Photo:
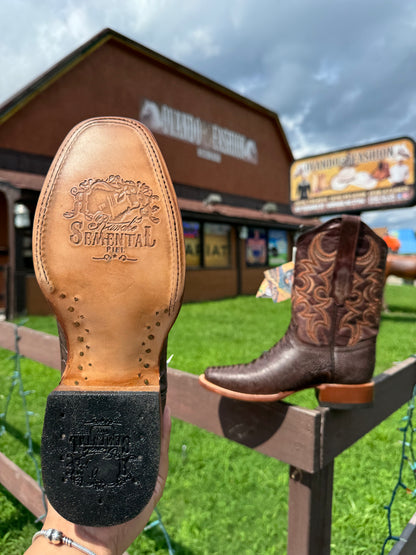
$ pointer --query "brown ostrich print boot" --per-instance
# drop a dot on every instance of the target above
(109, 258)
(331, 340)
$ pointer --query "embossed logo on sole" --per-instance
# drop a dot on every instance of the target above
(100, 456)
(115, 215)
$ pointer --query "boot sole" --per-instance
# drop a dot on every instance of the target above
(251, 397)
(109, 258)
(336, 396)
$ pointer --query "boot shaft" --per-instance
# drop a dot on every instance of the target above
(338, 283)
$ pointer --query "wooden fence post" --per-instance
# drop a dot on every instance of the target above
(310, 511)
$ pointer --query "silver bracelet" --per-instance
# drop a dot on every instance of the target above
(56, 537)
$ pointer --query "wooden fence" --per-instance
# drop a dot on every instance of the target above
(307, 440)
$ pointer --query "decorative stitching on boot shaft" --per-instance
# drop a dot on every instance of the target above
(318, 320)
(311, 300)
(362, 317)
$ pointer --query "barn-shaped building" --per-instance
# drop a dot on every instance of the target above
(228, 158)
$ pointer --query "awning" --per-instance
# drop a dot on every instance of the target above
(238, 214)
(22, 180)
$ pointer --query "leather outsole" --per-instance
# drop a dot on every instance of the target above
(109, 258)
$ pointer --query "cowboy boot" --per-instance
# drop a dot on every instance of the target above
(331, 339)
(110, 259)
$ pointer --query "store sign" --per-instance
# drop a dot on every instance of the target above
(216, 245)
(192, 236)
(277, 247)
(211, 140)
(256, 247)
(381, 175)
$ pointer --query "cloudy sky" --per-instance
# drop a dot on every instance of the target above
(339, 73)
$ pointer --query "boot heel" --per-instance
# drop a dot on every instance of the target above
(100, 454)
(343, 396)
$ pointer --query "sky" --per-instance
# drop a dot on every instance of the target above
(339, 73)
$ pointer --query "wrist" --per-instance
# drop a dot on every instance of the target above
(70, 539)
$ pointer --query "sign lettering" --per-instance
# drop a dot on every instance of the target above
(211, 139)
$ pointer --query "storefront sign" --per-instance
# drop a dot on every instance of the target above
(277, 247)
(381, 175)
(256, 247)
(192, 235)
(216, 239)
(212, 140)
(216, 245)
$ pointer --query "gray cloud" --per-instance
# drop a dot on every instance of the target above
(338, 74)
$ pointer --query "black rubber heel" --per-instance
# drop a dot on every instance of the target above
(100, 454)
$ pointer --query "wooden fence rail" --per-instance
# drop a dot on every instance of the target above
(307, 440)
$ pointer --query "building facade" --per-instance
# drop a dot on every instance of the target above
(228, 158)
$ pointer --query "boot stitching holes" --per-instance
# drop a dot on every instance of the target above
(77, 324)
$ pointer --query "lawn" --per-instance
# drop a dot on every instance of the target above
(221, 497)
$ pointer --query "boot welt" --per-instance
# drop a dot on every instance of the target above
(337, 396)
(109, 258)
(251, 397)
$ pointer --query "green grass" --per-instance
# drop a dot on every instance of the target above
(223, 498)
